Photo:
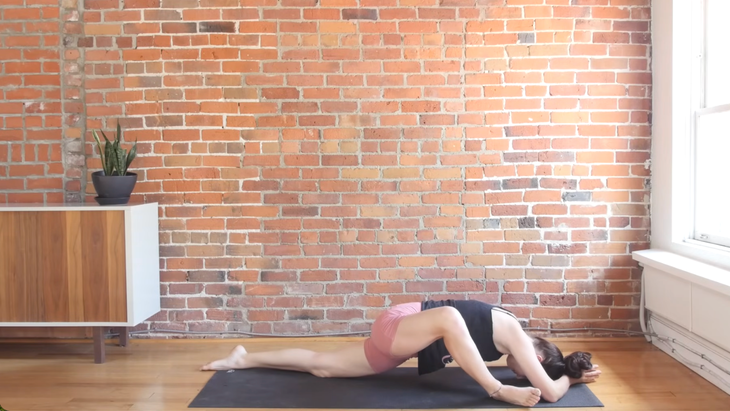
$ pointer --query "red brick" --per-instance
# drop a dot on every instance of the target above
(344, 314)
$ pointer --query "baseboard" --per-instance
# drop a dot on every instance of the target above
(699, 365)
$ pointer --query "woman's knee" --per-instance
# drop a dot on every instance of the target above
(450, 321)
(320, 366)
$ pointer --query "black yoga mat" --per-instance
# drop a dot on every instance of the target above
(400, 388)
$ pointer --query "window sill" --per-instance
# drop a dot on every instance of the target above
(696, 272)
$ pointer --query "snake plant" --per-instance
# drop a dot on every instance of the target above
(114, 159)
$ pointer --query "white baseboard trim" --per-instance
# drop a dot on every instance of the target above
(692, 342)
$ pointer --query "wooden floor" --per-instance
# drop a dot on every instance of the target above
(156, 375)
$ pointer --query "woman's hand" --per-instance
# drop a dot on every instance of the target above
(588, 376)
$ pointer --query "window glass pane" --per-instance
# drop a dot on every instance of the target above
(712, 178)
(717, 53)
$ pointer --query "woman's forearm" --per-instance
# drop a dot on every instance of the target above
(559, 388)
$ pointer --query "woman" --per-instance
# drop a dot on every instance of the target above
(467, 331)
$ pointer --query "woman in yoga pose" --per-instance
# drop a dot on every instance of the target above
(467, 331)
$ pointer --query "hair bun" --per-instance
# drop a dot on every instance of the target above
(576, 363)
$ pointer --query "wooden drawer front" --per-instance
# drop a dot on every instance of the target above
(62, 266)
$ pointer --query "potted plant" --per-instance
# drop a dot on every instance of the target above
(114, 184)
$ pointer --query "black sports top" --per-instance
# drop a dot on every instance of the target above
(478, 318)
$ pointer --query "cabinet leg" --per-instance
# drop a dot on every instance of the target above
(99, 349)
(123, 336)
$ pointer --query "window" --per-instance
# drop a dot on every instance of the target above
(681, 118)
(711, 139)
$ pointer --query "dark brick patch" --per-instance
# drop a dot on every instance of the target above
(359, 14)
(577, 196)
(217, 27)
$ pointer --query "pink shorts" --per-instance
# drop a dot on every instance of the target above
(378, 345)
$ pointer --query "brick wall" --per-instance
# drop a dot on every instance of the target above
(31, 167)
(316, 161)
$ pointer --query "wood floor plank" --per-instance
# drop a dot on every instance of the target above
(157, 375)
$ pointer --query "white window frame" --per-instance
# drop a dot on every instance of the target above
(700, 108)
(676, 64)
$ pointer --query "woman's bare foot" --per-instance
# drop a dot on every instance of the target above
(235, 360)
(524, 396)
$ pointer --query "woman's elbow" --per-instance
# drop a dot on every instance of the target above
(550, 396)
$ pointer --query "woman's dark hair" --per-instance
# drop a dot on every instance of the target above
(556, 365)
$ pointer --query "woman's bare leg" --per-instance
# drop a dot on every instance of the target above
(416, 332)
(348, 361)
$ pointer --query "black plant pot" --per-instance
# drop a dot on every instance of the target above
(113, 189)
